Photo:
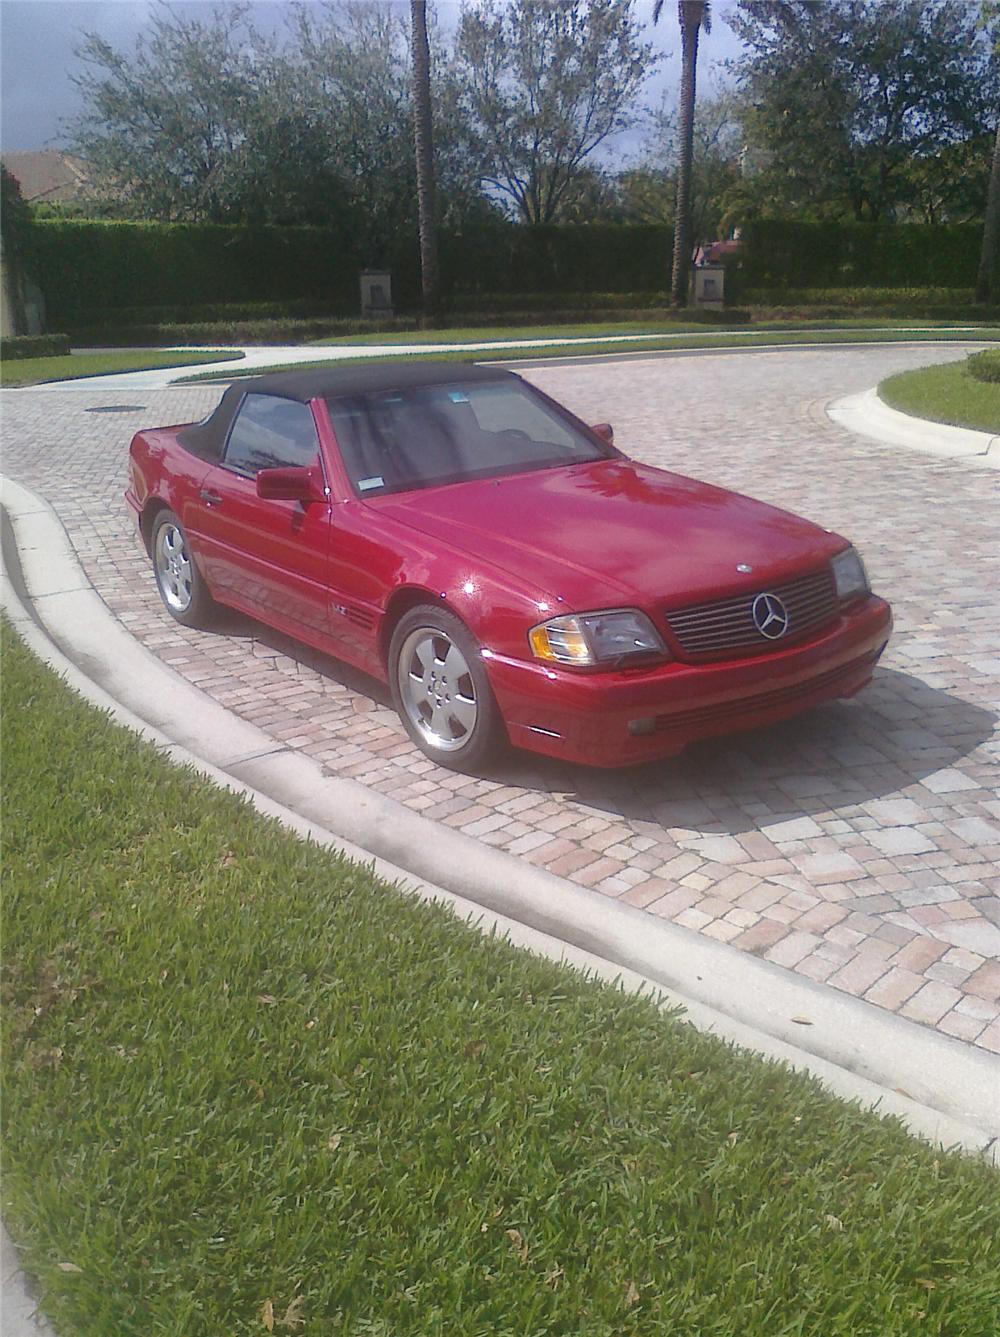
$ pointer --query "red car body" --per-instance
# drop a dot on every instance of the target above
(338, 569)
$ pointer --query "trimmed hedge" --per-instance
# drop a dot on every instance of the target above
(92, 270)
(84, 267)
(95, 274)
(34, 345)
(779, 254)
(984, 366)
(557, 259)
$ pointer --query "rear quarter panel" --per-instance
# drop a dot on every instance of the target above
(163, 473)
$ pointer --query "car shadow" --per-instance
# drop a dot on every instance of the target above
(837, 756)
(834, 757)
(240, 626)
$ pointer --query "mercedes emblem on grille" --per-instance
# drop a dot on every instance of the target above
(770, 616)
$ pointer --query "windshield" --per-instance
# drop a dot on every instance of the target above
(398, 440)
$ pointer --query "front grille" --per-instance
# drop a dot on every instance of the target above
(726, 627)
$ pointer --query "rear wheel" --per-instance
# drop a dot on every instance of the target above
(441, 691)
(177, 577)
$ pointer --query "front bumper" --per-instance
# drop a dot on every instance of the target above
(586, 717)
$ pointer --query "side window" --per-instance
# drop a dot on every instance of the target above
(271, 433)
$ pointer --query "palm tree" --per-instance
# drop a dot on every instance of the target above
(693, 15)
(988, 279)
(423, 141)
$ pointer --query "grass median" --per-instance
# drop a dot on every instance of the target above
(39, 370)
(946, 394)
(606, 329)
(247, 1085)
(622, 344)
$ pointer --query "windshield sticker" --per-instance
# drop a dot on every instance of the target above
(366, 484)
(458, 396)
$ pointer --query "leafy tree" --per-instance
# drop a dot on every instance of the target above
(205, 119)
(949, 186)
(988, 275)
(423, 142)
(15, 226)
(693, 15)
(648, 191)
(844, 97)
(352, 66)
(176, 127)
(542, 84)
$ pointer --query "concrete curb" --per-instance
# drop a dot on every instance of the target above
(869, 416)
(943, 1089)
(19, 1316)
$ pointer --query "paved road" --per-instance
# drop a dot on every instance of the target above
(859, 846)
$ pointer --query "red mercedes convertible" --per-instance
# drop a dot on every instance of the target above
(511, 575)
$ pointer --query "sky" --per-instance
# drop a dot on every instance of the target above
(38, 37)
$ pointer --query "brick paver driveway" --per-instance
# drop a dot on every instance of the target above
(859, 845)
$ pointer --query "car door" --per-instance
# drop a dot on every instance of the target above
(269, 557)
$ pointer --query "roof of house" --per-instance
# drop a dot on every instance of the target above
(712, 252)
(49, 174)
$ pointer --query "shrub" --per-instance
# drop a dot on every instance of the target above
(200, 313)
(928, 303)
(506, 308)
(109, 335)
(528, 309)
(865, 297)
(34, 345)
(985, 366)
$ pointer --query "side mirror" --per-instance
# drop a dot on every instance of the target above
(301, 484)
(605, 431)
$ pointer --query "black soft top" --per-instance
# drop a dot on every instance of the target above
(207, 439)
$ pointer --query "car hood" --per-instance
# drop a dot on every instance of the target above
(614, 531)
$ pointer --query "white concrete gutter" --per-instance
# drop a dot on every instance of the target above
(943, 1089)
(870, 416)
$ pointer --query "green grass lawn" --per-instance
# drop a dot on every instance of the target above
(948, 394)
(245, 1082)
(37, 370)
(751, 338)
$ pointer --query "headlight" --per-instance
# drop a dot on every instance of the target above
(587, 639)
(850, 575)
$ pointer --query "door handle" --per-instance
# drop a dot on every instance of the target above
(209, 497)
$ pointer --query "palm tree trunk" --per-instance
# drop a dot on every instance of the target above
(988, 278)
(423, 142)
(682, 211)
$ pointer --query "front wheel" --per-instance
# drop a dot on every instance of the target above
(441, 691)
(177, 577)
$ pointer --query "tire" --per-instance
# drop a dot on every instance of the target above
(441, 691)
(178, 579)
